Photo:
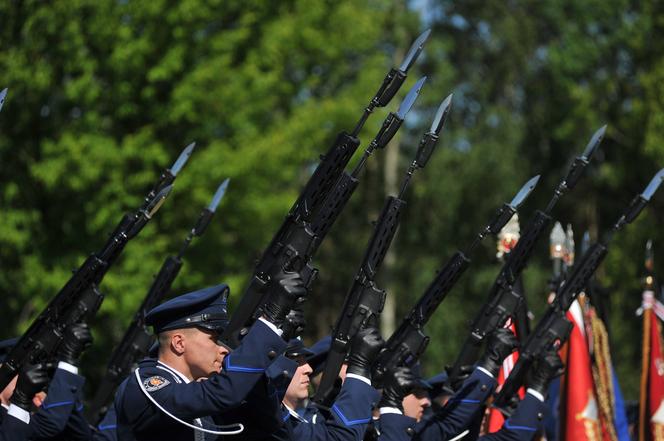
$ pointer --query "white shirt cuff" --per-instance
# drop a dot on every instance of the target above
(272, 326)
(384, 410)
(359, 377)
(536, 394)
(19, 413)
(68, 367)
(481, 369)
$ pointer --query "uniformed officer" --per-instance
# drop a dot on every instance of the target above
(460, 410)
(174, 396)
(351, 412)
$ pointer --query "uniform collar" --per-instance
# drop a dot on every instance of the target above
(173, 371)
(294, 414)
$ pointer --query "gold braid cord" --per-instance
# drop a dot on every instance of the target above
(603, 376)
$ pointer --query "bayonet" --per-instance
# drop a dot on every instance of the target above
(182, 159)
(441, 115)
(392, 81)
(524, 192)
(639, 202)
(3, 95)
(506, 212)
(206, 215)
(653, 185)
(408, 102)
(594, 143)
(390, 126)
(414, 51)
(221, 191)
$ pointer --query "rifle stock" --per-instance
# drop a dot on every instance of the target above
(364, 301)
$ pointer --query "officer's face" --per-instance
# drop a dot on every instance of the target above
(298, 389)
(415, 403)
(202, 354)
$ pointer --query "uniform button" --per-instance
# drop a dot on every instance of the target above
(484, 388)
(540, 415)
(272, 355)
(410, 431)
(285, 373)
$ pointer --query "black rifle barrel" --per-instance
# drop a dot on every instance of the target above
(80, 297)
(137, 339)
(554, 328)
(408, 342)
(365, 300)
(503, 300)
(306, 225)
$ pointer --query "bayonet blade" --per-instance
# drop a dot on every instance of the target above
(218, 196)
(182, 159)
(414, 51)
(595, 141)
(585, 242)
(525, 191)
(3, 94)
(156, 202)
(408, 102)
(441, 115)
(653, 185)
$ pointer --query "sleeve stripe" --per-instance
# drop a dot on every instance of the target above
(107, 426)
(465, 401)
(231, 368)
(511, 427)
(345, 420)
(62, 403)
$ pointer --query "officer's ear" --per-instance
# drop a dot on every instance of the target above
(177, 341)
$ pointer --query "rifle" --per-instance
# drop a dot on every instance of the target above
(3, 95)
(365, 300)
(136, 341)
(503, 299)
(554, 328)
(408, 342)
(297, 239)
(80, 297)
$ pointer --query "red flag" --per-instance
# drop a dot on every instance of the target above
(581, 421)
(651, 411)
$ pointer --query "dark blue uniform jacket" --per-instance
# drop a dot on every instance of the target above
(140, 419)
(349, 416)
